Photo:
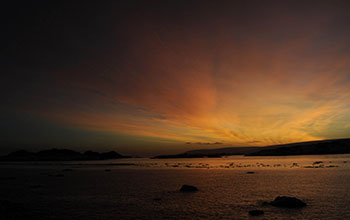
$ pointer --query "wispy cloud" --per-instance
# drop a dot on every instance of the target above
(263, 82)
(205, 143)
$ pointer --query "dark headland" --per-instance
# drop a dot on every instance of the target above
(60, 155)
(335, 146)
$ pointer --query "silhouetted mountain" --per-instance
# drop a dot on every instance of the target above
(338, 146)
(111, 154)
(21, 153)
(212, 152)
(60, 155)
(186, 155)
(92, 154)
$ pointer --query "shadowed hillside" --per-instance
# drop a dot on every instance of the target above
(338, 146)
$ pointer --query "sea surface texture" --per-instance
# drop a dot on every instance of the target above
(143, 188)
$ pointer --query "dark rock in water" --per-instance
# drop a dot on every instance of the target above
(287, 202)
(188, 188)
(256, 212)
(36, 186)
(67, 170)
(108, 170)
(250, 172)
(157, 199)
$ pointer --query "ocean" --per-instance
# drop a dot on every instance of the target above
(143, 188)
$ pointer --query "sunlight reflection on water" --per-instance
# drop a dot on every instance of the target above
(149, 188)
(229, 162)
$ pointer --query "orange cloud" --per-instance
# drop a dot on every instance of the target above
(281, 79)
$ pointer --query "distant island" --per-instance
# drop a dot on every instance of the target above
(60, 155)
(336, 146)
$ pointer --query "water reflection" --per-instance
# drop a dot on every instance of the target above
(234, 162)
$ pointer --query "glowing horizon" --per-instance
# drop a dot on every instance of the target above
(207, 73)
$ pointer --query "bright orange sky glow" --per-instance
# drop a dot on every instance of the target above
(238, 74)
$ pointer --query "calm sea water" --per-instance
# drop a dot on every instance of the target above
(148, 189)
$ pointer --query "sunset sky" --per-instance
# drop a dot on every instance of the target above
(152, 77)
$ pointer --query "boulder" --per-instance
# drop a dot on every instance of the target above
(36, 186)
(256, 212)
(67, 170)
(188, 188)
(287, 202)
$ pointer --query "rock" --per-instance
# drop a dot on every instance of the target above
(256, 212)
(287, 202)
(188, 188)
(157, 199)
(250, 172)
(67, 170)
(108, 170)
(36, 186)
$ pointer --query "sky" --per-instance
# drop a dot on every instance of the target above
(154, 77)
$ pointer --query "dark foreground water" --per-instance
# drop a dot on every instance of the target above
(148, 189)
